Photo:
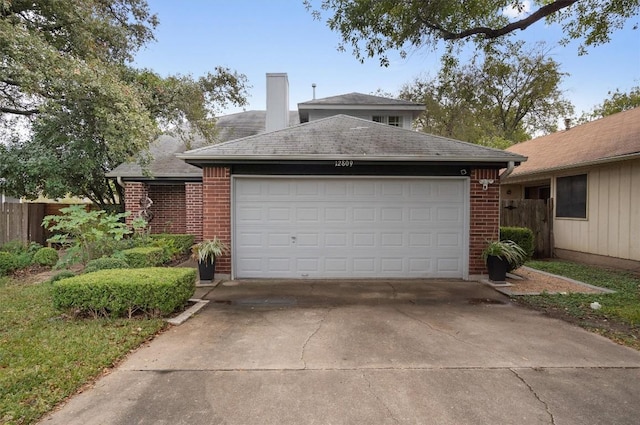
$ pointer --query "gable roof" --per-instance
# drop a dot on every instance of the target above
(163, 150)
(360, 102)
(342, 137)
(612, 138)
(359, 99)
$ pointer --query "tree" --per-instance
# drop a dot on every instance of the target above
(372, 27)
(503, 97)
(73, 108)
(616, 102)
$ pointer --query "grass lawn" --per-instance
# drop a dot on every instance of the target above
(45, 357)
(619, 317)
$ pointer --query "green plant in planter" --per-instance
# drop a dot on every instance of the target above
(208, 250)
(205, 254)
(501, 257)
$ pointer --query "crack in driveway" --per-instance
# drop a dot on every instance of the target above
(546, 406)
(380, 400)
(449, 334)
(304, 346)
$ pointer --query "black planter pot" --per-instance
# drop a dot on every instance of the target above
(206, 270)
(497, 268)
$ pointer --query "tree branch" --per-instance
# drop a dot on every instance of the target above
(24, 112)
(491, 33)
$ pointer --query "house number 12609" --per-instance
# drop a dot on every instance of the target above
(344, 163)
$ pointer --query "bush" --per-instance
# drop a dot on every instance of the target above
(62, 275)
(105, 263)
(182, 243)
(23, 253)
(149, 256)
(23, 260)
(46, 257)
(520, 235)
(8, 262)
(169, 250)
(113, 293)
(14, 247)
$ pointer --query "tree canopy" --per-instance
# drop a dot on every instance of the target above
(373, 27)
(71, 105)
(501, 97)
(616, 102)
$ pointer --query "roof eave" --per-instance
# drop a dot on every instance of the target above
(370, 107)
(536, 174)
(337, 157)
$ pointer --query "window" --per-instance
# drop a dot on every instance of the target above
(392, 120)
(571, 196)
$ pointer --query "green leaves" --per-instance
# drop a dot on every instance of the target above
(85, 230)
(373, 27)
(73, 108)
(500, 97)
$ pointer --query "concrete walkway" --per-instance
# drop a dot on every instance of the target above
(375, 352)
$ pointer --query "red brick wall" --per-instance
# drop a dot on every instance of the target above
(193, 197)
(133, 192)
(168, 208)
(484, 217)
(216, 210)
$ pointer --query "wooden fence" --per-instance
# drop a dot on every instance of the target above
(537, 215)
(21, 222)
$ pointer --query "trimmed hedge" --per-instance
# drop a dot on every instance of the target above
(64, 274)
(105, 263)
(182, 243)
(8, 262)
(145, 256)
(520, 235)
(153, 291)
(46, 257)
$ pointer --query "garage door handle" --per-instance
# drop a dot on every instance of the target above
(293, 239)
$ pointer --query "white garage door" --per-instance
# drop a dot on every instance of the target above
(349, 227)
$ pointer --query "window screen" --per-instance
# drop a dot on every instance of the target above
(571, 196)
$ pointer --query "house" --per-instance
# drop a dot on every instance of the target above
(592, 174)
(355, 193)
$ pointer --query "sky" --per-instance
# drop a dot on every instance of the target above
(255, 37)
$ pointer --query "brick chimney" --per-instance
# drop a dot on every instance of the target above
(277, 101)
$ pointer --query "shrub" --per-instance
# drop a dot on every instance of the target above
(14, 247)
(8, 262)
(105, 263)
(23, 253)
(520, 235)
(88, 233)
(62, 275)
(113, 293)
(23, 260)
(169, 250)
(149, 256)
(46, 257)
(182, 243)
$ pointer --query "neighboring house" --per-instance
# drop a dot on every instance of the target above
(592, 173)
(335, 197)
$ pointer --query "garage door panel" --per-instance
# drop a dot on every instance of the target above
(348, 227)
(420, 266)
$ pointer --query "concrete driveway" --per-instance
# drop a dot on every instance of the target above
(374, 352)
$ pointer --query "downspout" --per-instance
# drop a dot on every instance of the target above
(510, 166)
(120, 182)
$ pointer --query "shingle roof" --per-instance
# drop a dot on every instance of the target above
(163, 150)
(359, 99)
(347, 137)
(605, 139)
